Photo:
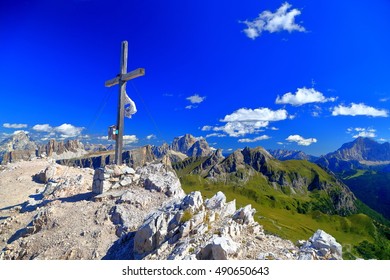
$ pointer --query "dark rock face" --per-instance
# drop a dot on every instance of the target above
(199, 149)
(183, 144)
(160, 151)
(190, 146)
(364, 149)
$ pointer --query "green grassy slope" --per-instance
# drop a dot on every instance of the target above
(372, 187)
(297, 216)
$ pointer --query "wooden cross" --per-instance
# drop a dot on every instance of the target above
(121, 79)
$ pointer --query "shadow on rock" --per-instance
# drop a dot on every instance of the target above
(122, 249)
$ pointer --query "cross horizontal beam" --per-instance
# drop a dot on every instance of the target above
(125, 77)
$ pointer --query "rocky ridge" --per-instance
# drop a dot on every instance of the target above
(298, 177)
(142, 214)
(281, 154)
(20, 146)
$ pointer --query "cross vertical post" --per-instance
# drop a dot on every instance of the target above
(121, 79)
(120, 118)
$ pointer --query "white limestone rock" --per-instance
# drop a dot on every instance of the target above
(216, 202)
(320, 246)
(157, 177)
(219, 248)
(245, 215)
(326, 243)
(194, 201)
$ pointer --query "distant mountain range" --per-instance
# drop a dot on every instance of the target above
(180, 149)
(20, 146)
(363, 165)
(363, 153)
(282, 154)
(297, 178)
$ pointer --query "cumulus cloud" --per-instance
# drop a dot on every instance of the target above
(283, 19)
(361, 132)
(359, 110)
(42, 128)
(14, 125)
(151, 136)
(196, 99)
(247, 121)
(63, 131)
(103, 137)
(236, 129)
(259, 114)
(67, 130)
(248, 140)
(300, 140)
(303, 96)
(128, 139)
(207, 128)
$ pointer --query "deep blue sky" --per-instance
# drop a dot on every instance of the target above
(234, 58)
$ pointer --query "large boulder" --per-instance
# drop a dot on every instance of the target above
(216, 202)
(44, 176)
(219, 248)
(321, 246)
(245, 215)
(157, 177)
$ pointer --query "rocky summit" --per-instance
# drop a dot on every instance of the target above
(118, 212)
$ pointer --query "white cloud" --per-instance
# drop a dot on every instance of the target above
(151, 136)
(259, 114)
(189, 107)
(60, 132)
(361, 132)
(207, 128)
(247, 121)
(42, 128)
(67, 130)
(215, 135)
(260, 138)
(280, 143)
(230, 149)
(359, 110)
(236, 129)
(14, 125)
(300, 140)
(128, 139)
(103, 137)
(283, 19)
(384, 99)
(274, 128)
(196, 99)
(303, 96)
